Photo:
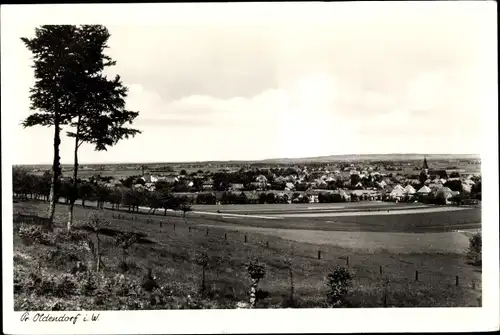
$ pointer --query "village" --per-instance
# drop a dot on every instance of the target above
(326, 183)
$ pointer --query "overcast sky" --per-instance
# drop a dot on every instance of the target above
(254, 81)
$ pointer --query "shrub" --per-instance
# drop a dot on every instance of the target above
(256, 272)
(71, 235)
(87, 283)
(475, 249)
(127, 265)
(338, 282)
(35, 234)
(65, 285)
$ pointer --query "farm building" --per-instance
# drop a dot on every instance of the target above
(289, 186)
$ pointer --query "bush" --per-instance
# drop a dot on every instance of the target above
(73, 235)
(338, 282)
(35, 234)
(65, 285)
(475, 249)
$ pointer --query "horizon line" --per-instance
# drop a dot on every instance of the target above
(263, 159)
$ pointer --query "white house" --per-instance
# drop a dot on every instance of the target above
(424, 190)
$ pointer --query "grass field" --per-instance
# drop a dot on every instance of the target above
(169, 248)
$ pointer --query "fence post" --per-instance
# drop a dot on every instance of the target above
(190, 229)
(347, 261)
(174, 226)
(207, 231)
(473, 285)
(456, 281)
(319, 254)
(380, 269)
(245, 238)
(267, 244)
(225, 236)
(416, 275)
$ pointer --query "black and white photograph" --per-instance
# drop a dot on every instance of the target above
(247, 167)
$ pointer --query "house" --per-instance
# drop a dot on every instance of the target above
(150, 186)
(313, 195)
(397, 193)
(236, 187)
(399, 188)
(382, 184)
(435, 186)
(280, 180)
(343, 194)
(147, 178)
(289, 186)
(409, 190)
(413, 182)
(424, 190)
(441, 174)
(169, 179)
(444, 192)
(261, 179)
(282, 197)
(319, 182)
(208, 185)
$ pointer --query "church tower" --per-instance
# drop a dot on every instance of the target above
(424, 174)
(426, 166)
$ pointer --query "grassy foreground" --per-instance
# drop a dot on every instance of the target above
(43, 278)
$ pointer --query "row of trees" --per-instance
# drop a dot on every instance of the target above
(72, 90)
(29, 186)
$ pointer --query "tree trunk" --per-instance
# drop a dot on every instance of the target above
(97, 253)
(203, 279)
(292, 288)
(55, 172)
(75, 179)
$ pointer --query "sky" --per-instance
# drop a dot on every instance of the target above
(257, 81)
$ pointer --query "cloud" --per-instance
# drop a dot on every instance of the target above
(295, 82)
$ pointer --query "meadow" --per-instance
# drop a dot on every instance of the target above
(170, 245)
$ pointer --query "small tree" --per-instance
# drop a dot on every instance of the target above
(475, 249)
(153, 200)
(185, 208)
(125, 240)
(201, 258)
(96, 222)
(256, 272)
(338, 282)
